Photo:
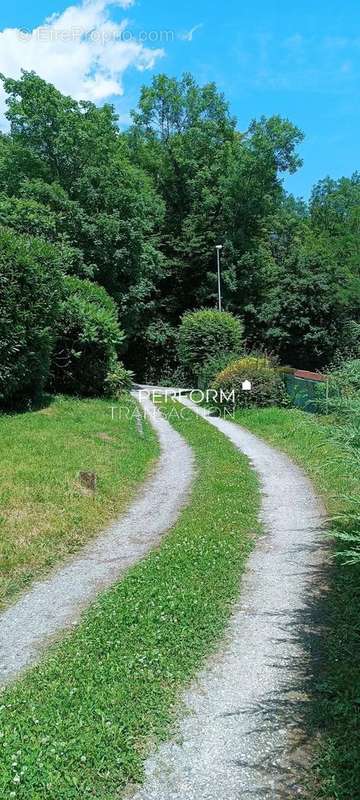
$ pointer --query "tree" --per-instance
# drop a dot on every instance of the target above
(299, 304)
(218, 185)
(335, 214)
(253, 187)
(182, 135)
(71, 158)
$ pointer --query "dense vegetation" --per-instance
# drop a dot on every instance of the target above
(267, 386)
(87, 340)
(140, 213)
(204, 335)
(30, 286)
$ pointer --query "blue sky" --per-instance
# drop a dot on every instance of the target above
(301, 61)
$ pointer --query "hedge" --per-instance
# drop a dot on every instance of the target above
(206, 334)
(88, 339)
(30, 293)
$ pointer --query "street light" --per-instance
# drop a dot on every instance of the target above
(218, 248)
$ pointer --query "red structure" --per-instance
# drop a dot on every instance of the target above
(309, 376)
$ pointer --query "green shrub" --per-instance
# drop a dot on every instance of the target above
(341, 398)
(347, 377)
(88, 339)
(30, 289)
(212, 367)
(343, 403)
(118, 380)
(267, 387)
(207, 334)
(349, 342)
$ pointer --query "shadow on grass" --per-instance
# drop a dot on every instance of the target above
(335, 698)
(27, 406)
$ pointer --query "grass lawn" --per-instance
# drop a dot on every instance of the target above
(80, 724)
(334, 714)
(44, 513)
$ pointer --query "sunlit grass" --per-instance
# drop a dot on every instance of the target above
(80, 725)
(44, 512)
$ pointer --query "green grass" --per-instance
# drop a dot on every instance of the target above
(44, 513)
(334, 713)
(80, 725)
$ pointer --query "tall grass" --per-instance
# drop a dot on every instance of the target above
(343, 406)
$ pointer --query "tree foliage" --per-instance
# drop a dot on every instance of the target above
(88, 339)
(70, 159)
(30, 293)
(217, 184)
(140, 214)
(205, 334)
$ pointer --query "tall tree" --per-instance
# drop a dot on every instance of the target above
(300, 295)
(182, 134)
(70, 158)
(218, 185)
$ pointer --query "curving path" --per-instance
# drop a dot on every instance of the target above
(56, 603)
(240, 735)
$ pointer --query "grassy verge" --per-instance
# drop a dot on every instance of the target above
(44, 513)
(334, 714)
(80, 725)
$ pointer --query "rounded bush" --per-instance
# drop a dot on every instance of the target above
(212, 367)
(207, 334)
(88, 338)
(30, 290)
(267, 387)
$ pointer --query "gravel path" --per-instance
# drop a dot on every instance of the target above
(51, 605)
(240, 735)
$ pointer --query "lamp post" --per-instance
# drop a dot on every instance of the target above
(219, 247)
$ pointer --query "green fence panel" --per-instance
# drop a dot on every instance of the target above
(304, 393)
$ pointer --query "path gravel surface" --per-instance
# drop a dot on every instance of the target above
(51, 605)
(240, 734)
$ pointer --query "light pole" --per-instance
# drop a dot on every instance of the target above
(218, 248)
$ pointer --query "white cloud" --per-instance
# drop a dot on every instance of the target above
(188, 36)
(82, 51)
